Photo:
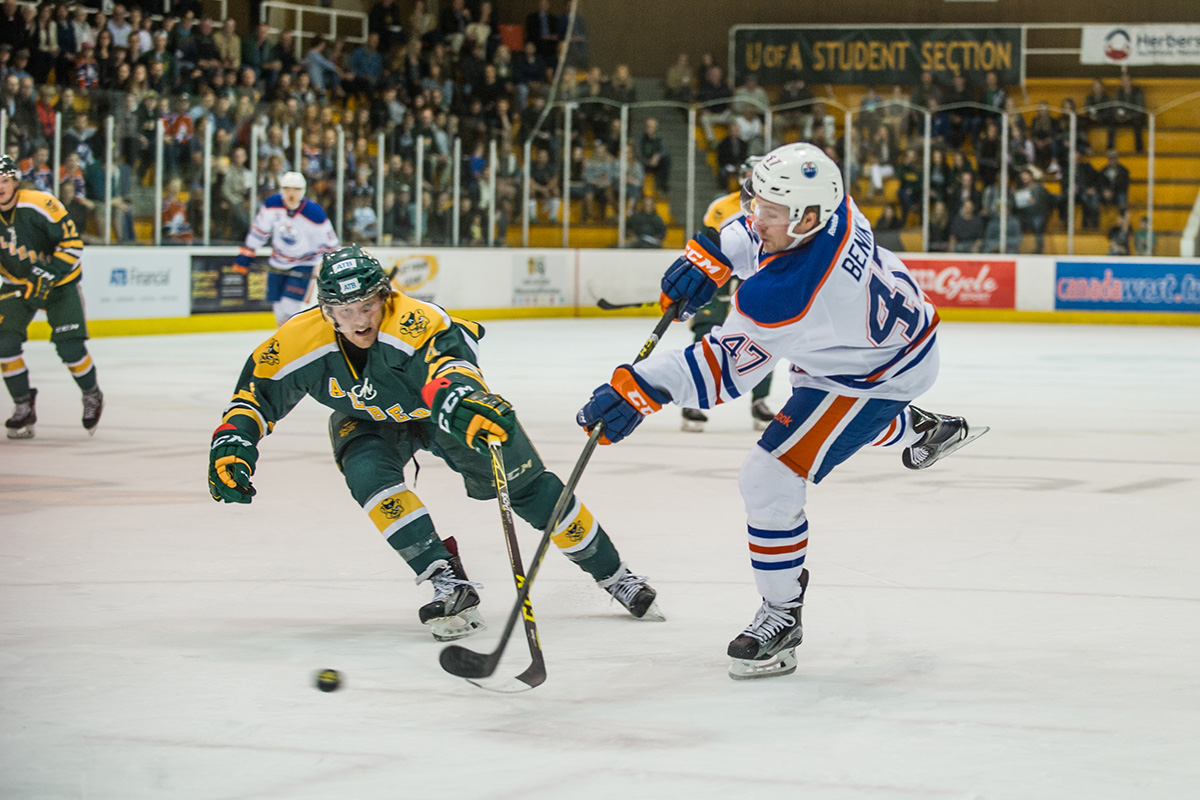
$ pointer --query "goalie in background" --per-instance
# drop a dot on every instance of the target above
(402, 376)
(299, 233)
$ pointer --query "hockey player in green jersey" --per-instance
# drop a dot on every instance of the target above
(40, 250)
(401, 376)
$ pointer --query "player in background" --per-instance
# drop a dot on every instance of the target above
(299, 232)
(860, 336)
(727, 221)
(40, 252)
(401, 376)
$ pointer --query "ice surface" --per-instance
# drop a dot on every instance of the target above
(1020, 621)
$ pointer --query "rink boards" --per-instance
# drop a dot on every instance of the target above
(133, 290)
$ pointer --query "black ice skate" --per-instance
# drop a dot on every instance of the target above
(693, 420)
(634, 593)
(761, 414)
(768, 645)
(93, 406)
(942, 435)
(20, 424)
(454, 611)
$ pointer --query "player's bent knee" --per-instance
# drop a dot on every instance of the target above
(774, 495)
(369, 464)
(10, 345)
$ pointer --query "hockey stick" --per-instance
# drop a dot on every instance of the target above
(466, 663)
(604, 305)
(17, 293)
(535, 674)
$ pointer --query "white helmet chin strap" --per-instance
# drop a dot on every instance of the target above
(800, 238)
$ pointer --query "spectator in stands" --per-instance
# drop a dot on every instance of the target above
(1033, 206)
(1131, 114)
(36, 170)
(652, 152)
(366, 67)
(1114, 183)
(78, 139)
(798, 118)
(45, 44)
(993, 93)
(894, 113)
(1120, 239)
(939, 175)
(78, 206)
(964, 121)
(645, 228)
(964, 191)
(119, 26)
(84, 32)
(924, 91)
(1143, 239)
(939, 228)
(635, 180)
(453, 24)
(12, 25)
(578, 47)
(1087, 191)
(528, 71)
(479, 33)
(325, 75)
(1044, 131)
(544, 186)
(879, 159)
(87, 70)
(208, 55)
(620, 87)
(966, 230)
(1012, 234)
(541, 28)
(887, 229)
(70, 172)
(941, 129)
(732, 152)
(714, 96)
(385, 20)
(680, 81)
(1096, 111)
(422, 26)
(912, 181)
(599, 175)
(176, 227)
(229, 45)
(259, 54)
(25, 116)
(235, 194)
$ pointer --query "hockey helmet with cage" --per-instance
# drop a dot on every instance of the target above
(800, 177)
(350, 274)
(8, 168)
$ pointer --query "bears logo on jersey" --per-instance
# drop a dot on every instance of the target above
(391, 508)
(347, 428)
(271, 354)
(414, 324)
(576, 532)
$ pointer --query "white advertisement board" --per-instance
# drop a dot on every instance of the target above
(136, 282)
(1137, 45)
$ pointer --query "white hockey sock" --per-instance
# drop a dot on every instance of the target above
(899, 432)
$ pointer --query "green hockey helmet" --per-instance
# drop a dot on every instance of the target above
(8, 168)
(350, 274)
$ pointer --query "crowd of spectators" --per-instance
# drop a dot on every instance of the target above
(433, 78)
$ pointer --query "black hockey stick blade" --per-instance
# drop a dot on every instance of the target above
(604, 305)
(466, 663)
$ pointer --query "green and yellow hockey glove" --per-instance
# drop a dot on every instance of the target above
(231, 460)
(469, 414)
(41, 281)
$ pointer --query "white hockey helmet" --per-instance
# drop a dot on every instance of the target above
(799, 177)
(293, 180)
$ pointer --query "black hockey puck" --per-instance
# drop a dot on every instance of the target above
(329, 680)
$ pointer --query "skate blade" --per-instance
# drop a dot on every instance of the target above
(972, 435)
(653, 614)
(448, 629)
(782, 663)
(20, 433)
(692, 427)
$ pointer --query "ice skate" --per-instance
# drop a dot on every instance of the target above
(768, 645)
(634, 593)
(20, 424)
(693, 420)
(93, 405)
(942, 435)
(761, 414)
(454, 611)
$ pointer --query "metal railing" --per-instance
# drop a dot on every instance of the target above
(174, 179)
(299, 10)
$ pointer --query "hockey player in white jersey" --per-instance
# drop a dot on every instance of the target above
(299, 233)
(861, 339)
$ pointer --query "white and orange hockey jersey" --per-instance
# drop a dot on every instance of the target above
(846, 315)
(298, 238)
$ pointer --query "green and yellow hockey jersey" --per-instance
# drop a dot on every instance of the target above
(38, 230)
(418, 343)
